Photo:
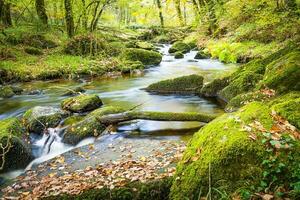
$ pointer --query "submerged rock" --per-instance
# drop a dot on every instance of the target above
(40, 118)
(180, 46)
(6, 92)
(75, 91)
(18, 153)
(181, 85)
(81, 103)
(179, 55)
(145, 56)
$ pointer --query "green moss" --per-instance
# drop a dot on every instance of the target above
(33, 51)
(178, 55)
(12, 132)
(246, 98)
(289, 110)
(87, 126)
(128, 66)
(212, 88)
(162, 39)
(40, 118)
(201, 55)
(283, 74)
(145, 45)
(153, 190)
(81, 103)
(244, 82)
(144, 56)
(184, 84)
(180, 46)
(223, 150)
(6, 92)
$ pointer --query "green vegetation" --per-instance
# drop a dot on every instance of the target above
(144, 56)
(81, 103)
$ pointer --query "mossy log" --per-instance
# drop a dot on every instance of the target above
(156, 116)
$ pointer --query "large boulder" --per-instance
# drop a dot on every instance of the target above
(15, 152)
(201, 55)
(81, 103)
(87, 126)
(144, 56)
(178, 55)
(181, 85)
(244, 82)
(212, 88)
(6, 92)
(40, 118)
(145, 45)
(283, 74)
(233, 152)
(180, 46)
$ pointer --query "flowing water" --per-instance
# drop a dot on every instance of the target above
(125, 92)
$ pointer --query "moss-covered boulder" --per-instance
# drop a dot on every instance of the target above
(289, 108)
(145, 45)
(128, 66)
(231, 153)
(243, 83)
(40, 118)
(201, 55)
(180, 46)
(33, 51)
(178, 55)
(75, 91)
(181, 85)
(81, 103)
(212, 88)
(38, 41)
(15, 152)
(144, 56)
(85, 45)
(81, 128)
(6, 91)
(283, 74)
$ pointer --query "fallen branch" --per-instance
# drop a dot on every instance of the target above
(155, 116)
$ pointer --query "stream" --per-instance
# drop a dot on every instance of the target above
(123, 92)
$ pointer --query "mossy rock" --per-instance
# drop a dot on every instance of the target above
(245, 82)
(145, 45)
(127, 66)
(12, 132)
(81, 128)
(144, 56)
(283, 74)
(150, 190)
(290, 110)
(84, 45)
(40, 118)
(33, 51)
(162, 39)
(178, 55)
(246, 98)
(224, 151)
(38, 41)
(181, 85)
(212, 88)
(201, 55)
(180, 46)
(6, 92)
(81, 103)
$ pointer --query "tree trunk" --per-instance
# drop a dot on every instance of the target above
(41, 11)
(97, 17)
(196, 9)
(69, 18)
(155, 116)
(84, 15)
(179, 14)
(5, 13)
(161, 17)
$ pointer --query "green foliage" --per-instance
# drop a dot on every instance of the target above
(6, 92)
(33, 51)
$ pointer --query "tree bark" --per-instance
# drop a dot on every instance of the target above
(179, 14)
(196, 9)
(5, 13)
(161, 17)
(84, 15)
(69, 18)
(155, 116)
(97, 16)
(41, 11)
